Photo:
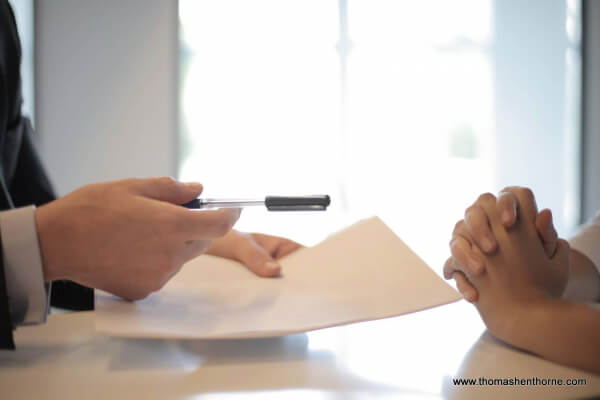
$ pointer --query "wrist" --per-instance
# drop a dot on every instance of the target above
(518, 329)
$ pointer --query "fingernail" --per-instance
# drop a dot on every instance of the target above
(193, 185)
(272, 265)
(506, 217)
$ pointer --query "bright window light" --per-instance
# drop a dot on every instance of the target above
(391, 107)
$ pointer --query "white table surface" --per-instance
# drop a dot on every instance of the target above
(414, 356)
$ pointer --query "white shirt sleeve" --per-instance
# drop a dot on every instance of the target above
(587, 240)
(27, 294)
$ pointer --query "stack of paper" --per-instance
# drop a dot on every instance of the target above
(362, 273)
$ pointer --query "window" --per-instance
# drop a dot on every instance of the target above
(403, 109)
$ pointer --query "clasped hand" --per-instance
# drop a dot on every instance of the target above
(505, 256)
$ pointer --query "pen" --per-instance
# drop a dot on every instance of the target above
(273, 203)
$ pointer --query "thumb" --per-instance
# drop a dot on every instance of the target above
(507, 207)
(168, 189)
(257, 259)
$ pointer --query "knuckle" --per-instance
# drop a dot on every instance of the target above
(476, 219)
(222, 226)
(448, 263)
(509, 190)
(485, 198)
(166, 181)
(459, 258)
(456, 249)
(471, 209)
(506, 197)
(449, 273)
(458, 227)
(527, 194)
(527, 191)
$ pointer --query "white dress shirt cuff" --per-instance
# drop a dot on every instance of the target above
(27, 294)
(587, 241)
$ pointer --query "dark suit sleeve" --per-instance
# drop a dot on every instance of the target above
(30, 185)
(29, 182)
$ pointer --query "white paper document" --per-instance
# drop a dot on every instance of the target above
(362, 273)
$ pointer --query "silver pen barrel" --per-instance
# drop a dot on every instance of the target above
(230, 203)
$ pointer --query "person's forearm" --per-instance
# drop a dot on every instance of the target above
(562, 331)
(584, 280)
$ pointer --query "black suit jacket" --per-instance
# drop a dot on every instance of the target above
(23, 180)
